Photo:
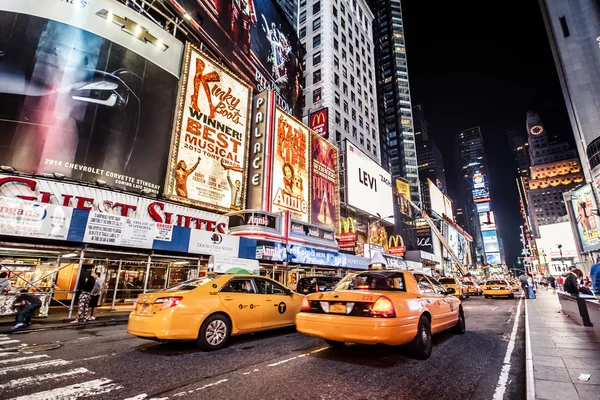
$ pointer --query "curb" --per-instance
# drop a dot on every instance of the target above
(119, 321)
(529, 376)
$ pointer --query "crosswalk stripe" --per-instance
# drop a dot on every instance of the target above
(9, 341)
(32, 366)
(31, 380)
(87, 389)
(18, 359)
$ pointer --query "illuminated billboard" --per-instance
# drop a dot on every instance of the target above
(490, 241)
(210, 140)
(319, 122)
(403, 189)
(369, 187)
(436, 197)
(478, 181)
(82, 97)
(493, 258)
(487, 221)
(587, 222)
(483, 207)
(255, 38)
(291, 181)
(325, 174)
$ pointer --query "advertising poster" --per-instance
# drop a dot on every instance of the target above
(403, 189)
(34, 220)
(490, 241)
(291, 181)
(81, 97)
(493, 258)
(255, 37)
(438, 205)
(325, 206)
(487, 221)
(115, 230)
(212, 243)
(319, 122)
(583, 202)
(210, 141)
(369, 187)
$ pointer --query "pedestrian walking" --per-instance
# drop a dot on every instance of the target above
(29, 305)
(595, 277)
(524, 285)
(530, 286)
(84, 298)
(552, 282)
(95, 297)
(4, 283)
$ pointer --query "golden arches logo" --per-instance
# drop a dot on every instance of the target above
(393, 241)
(347, 225)
(318, 118)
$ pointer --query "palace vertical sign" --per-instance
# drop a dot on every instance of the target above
(319, 122)
(210, 143)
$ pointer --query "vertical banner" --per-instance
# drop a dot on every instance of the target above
(325, 208)
(319, 122)
(403, 189)
(291, 181)
(210, 141)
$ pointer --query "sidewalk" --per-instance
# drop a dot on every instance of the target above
(558, 351)
(58, 318)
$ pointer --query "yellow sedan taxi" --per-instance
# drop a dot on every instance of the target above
(472, 288)
(382, 307)
(211, 309)
(450, 282)
(497, 288)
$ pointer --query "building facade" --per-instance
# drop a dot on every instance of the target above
(398, 144)
(555, 169)
(429, 156)
(574, 30)
(290, 9)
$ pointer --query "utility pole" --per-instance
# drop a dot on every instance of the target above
(525, 252)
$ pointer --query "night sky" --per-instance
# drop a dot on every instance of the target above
(484, 63)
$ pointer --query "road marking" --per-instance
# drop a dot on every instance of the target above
(144, 395)
(9, 341)
(281, 362)
(85, 389)
(200, 388)
(29, 367)
(31, 380)
(495, 308)
(12, 360)
(503, 378)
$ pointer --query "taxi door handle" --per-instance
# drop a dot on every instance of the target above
(268, 300)
(228, 298)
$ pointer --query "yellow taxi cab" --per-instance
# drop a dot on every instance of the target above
(382, 307)
(211, 309)
(472, 288)
(451, 282)
(497, 288)
(515, 285)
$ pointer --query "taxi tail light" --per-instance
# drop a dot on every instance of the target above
(383, 307)
(135, 305)
(305, 304)
(168, 302)
(317, 288)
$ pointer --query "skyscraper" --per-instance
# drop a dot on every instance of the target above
(555, 169)
(429, 156)
(572, 28)
(290, 8)
(398, 147)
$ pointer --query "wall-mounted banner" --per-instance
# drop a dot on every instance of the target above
(291, 180)
(254, 218)
(584, 204)
(270, 252)
(424, 239)
(299, 228)
(369, 187)
(88, 90)
(210, 140)
(403, 189)
(115, 230)
(220, 264)
(91, 198)
(213, 243)
(325, 209)
(312, 256)
(34, 220)
(318, 121)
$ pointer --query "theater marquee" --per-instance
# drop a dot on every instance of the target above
(209, 149)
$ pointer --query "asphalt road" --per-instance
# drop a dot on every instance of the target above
(106, 363)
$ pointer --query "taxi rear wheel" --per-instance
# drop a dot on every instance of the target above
(421, 346)
(214, 333)
(461, 325)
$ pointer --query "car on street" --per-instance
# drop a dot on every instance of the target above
(497, 288)
(211, 309)
(382, 307)
(450, 282)
(314, 284)
(472, 288)
(515, 285)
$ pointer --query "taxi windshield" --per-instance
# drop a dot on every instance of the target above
(495, 283)
(191, 284)
(447, 281)
(373, 281)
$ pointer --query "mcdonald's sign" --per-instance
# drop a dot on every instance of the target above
(347, 230)
(396, 245)
(319, 122)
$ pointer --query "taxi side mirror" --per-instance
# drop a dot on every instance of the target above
(288, 292)
(450, 291)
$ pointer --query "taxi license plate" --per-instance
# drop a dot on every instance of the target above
(144, 309)
(337, 308)
(495, 288)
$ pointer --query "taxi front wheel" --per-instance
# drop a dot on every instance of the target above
(214, 333)
(461, 325)
(421, 346)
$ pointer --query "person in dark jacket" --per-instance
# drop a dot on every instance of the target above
(84, 298)
(524, 286)
(29, 306)
(570, 285)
